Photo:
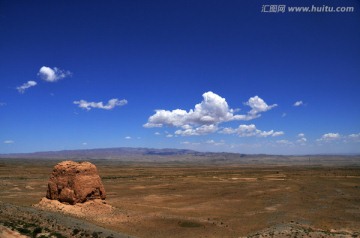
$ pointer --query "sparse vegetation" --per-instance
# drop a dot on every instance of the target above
(75, 231)
(200, 200)
(30, 229)
(189, 224)
(36, 231)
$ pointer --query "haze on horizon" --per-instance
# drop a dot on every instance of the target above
(206, 76)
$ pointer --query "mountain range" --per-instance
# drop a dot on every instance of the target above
(182, 156)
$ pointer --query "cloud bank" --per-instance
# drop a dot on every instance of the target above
(25, 86)
(52, 74)
(201, 130)
(329, 137)
(250, 130)
(112, 103)
(206, 115)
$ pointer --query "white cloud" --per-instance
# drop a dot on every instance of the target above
(169, 135)
(354, 137)
(52, 75)
(250, 130)
(205, 143)
(278, 133)
(190, 143)
(336, 137)
(329, 137)
(110, 105)
(212, 142)
(201, 130)
(84, 143)
(284, 142)
(213, 109)
(9, 142)
(302, 140)
(283, 115)
(298, 103)
(301, 135)
(25, 86)
(128, 137)
(157, 133)
(206, 115)
(258, 105)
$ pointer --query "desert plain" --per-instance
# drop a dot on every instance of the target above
(199, 200)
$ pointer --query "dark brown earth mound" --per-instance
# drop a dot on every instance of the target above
(73, 182)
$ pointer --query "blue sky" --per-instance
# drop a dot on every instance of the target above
(202, 75)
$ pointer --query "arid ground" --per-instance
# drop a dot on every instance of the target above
(169, 200)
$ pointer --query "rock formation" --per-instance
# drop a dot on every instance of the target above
(73, 182)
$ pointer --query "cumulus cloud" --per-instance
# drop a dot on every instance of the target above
(298, 103)
(206, 115)
(100, 105)
(201, 130)
(9, 142)
(128, 137)
(278, 133)
(301, 139)
(250, 130)
(208, 142)
(190, 143)
(26, 85)
(353, 138)
(213, 109)
(284, 142)
(52, 74)
(258, 105)
(329, 137)
(215, 143)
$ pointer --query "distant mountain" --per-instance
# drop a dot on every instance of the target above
(105, 153)
(181, 156)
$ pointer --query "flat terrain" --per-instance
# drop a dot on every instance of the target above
(168, 200)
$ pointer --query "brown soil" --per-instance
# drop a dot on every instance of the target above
(209, 201)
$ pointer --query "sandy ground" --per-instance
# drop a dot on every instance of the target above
(208, 201)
